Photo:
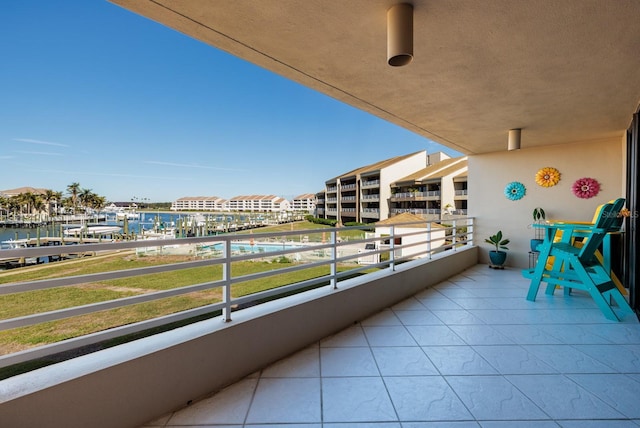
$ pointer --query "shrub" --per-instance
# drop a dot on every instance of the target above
(325, 221)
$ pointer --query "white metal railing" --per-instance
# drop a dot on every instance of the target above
(347, 186)
(413, 195)
(370, 183)
(333, 247)
(461, 192)
(370, 214)
(416, 210)
(374, 196)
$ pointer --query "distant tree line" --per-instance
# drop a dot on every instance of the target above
(50, 202)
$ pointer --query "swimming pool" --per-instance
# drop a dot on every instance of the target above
(249, 248)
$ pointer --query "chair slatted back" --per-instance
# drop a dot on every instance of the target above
(604, 224)
(617, 220)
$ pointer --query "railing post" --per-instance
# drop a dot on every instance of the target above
(429, 240)
(333, 280)
(470, 231)
(226, 277)
(454, 236)
(392, 256)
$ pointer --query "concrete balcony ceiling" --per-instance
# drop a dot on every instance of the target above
(562, 71)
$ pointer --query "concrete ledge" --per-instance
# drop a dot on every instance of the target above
(131, 384)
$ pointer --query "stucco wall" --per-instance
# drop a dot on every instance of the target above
(490, 173)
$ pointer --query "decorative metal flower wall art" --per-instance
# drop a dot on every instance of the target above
(515, 191)
(585, 187)
(547, 176)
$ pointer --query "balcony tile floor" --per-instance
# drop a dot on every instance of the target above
(469, 352)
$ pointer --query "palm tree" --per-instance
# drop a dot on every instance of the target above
(58, 198)
(32, 202)
(28, 199)
(85, 197)
(14, 205)
(4, 205)
(98, 202)
(73, 189)
(38, 205)
(67, 203)
(48, 196)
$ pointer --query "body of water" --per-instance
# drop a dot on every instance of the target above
(147, 221)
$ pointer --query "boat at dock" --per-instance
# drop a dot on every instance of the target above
(128, 214)
(93, 231)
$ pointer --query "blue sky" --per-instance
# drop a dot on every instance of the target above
(95, 94)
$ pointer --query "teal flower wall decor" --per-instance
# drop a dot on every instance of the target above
(515, 190)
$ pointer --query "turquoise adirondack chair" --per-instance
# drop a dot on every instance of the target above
(574, 263)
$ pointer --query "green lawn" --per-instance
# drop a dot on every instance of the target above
(14, 305)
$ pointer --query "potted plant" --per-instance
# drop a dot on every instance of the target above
(497, 256)
(539, 217)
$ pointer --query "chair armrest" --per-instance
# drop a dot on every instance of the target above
(565, 231)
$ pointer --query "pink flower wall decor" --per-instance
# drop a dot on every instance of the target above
(585, 187)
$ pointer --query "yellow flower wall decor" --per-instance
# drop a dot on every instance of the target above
(548, 177)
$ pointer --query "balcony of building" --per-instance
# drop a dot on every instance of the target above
(460, 207)
(370, 213)
(371, 197)
(467, 351)
(235, 347)
(500, 361)
(416, 211)
(348, 214)
(369, 183)
(416, 196)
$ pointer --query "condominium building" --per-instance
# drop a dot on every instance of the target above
(433, 192)
(361, 195)
(321, 204)
(429, 186)
(199, 203)
(258, 203)
(304, 203)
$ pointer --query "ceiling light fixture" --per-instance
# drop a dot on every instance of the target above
(514, 139)
(400, 34)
